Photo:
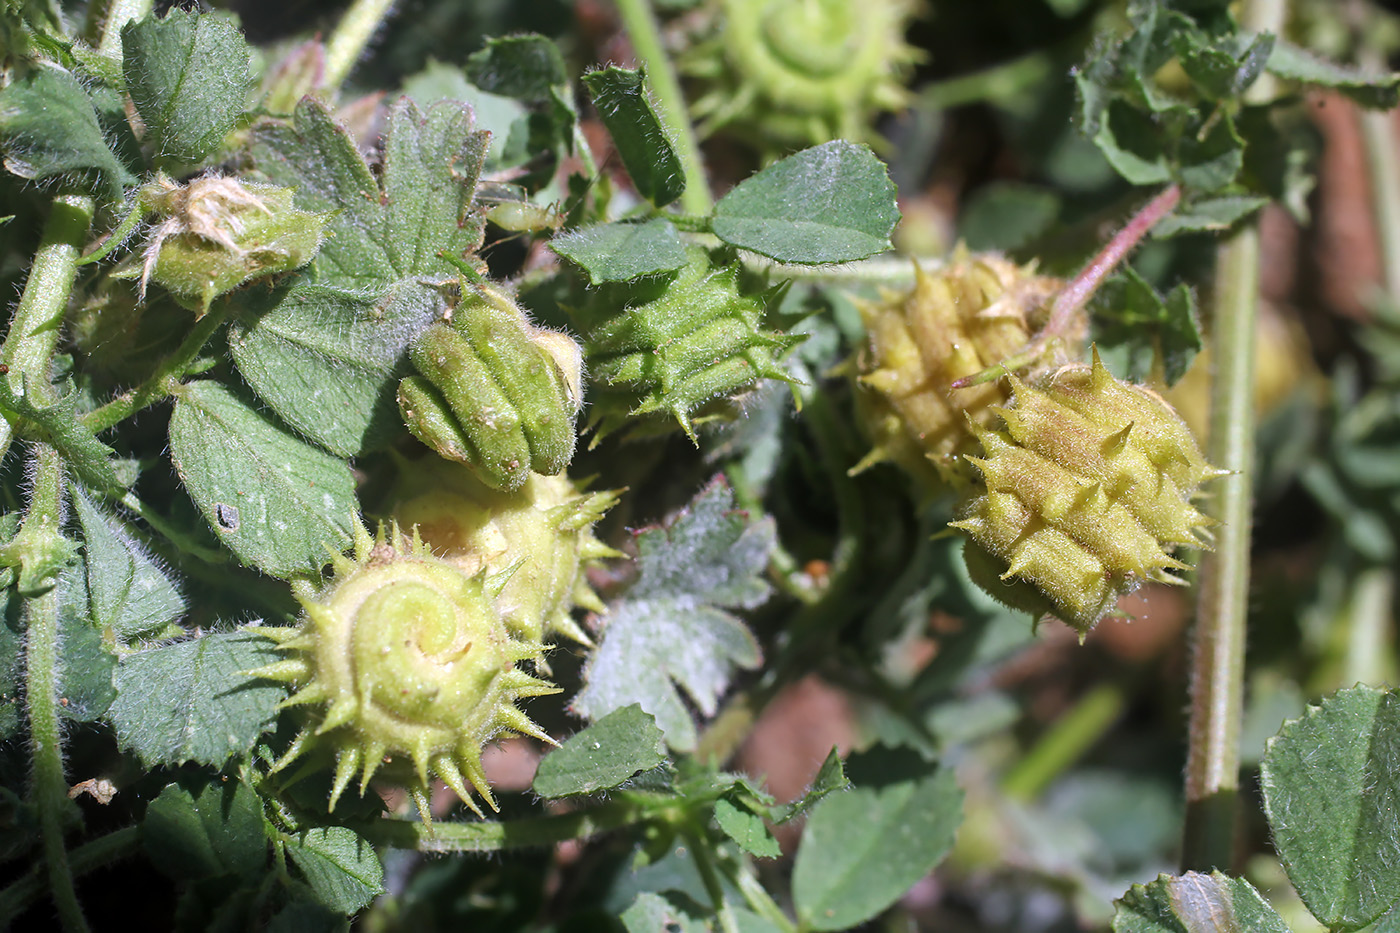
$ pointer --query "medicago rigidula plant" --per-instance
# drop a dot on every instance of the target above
(415, 443)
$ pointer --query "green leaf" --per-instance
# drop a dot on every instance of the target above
(671, 628)
(188, 76)
(1220, 72)
(129, 595)
(831, 203)
(328, 359)
(341, 868)
(527, 68)
(1209, 214)
(11, 664)
(219, 832)
(620, 94)
(651, 912)
(1211, 163)
(830, 777)
(1331, 783)
(85, 689)
(191, 701)
(621, 251)
(863, 849)
(48, 128)
(1131, 313)
(1380, 92)
(1007, 215)
(389, 231)
(604, 755)
(494, 113)
(1195, 903)
(278, 503)
(57, 423)
(747, 829)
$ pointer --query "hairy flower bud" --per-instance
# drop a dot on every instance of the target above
(974, 313)
(1088, 488)
(538, 538)
(494, 392)
(412, 667)
(218, 233)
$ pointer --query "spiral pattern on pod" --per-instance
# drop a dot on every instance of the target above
(409, 668)
(1088, 488)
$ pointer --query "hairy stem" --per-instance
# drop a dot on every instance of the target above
(90, 856)
(496, 836)
(1222, 599)
(163, 382)
(638, 19)
(38, 320)
(351, 36)
(48, 788)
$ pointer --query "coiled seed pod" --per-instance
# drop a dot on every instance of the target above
(412, 667)
(977, 311)
(701, 339)
(1088, 488)
(538, 538)
(794, 73)
(494, 392)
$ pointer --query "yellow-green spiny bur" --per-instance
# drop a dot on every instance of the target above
(702, 339)
(494, 392)
(538, 539)
(406, 669)
(217, 233)
(977, 311)
(794, 73)
(1088, 489)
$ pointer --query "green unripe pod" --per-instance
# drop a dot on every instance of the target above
(408, 667)
(217, 233)
(494, 392)
(1088, 488)
(539, 538)
(975, 312)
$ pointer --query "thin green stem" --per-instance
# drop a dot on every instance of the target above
(1369, 659)
(1067, 740)
(38, 319)
(762, 902)
(351, 36)
(48, 787)
(1217, 681)
(640, 23)
(119, 13)
(1383, 164)
(164, 381)
(709, 876)
(496, 836)
(1222, 599)
(90, 856)
(1000, 82)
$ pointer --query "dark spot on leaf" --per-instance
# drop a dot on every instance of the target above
(228, 517)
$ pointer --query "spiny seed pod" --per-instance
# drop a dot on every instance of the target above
(538, 538)
(972, 314)
(219, 233)
(412, 665)
(701, 339)
(794, 73)
(1088, 488)
(494, 392)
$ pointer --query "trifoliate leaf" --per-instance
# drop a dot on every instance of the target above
(1196, 903)
(192, 701)
(129, 595)
(381, 256)
(280, 504)
(340, 867)
(48, 128)
(747, 829)
(1380, 92)
(188, 76)
(831, 203)
(621, 251)
(604, 755)
(671, 629)
(218, 832)
(1331, 783)
(864, 848)
(620, 94)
